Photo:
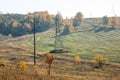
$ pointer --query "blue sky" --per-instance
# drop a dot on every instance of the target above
(89, 8)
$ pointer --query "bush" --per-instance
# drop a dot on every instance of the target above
(77, 58)
(48, 60)
(23, 65)
(100, 61)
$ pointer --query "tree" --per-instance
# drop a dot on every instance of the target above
(114, 21)
(15, 24)
(28, 26)
(100, 60)
(43, 21)
(50, 20)
(48, 60)
(68, 27)
(105, 21)
(77, 19)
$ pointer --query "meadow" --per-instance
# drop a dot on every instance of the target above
(83, 42)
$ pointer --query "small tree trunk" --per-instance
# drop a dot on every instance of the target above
(49, 66)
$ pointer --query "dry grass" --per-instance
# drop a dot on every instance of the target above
(14, 73)
(64, 67)
(36, 73)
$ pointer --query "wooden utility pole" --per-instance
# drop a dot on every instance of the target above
(34, 42)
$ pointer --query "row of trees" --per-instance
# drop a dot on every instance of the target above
(112, 21)
(108, 22)
(18, 24)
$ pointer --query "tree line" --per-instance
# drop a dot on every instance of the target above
(106, 23)
(19, 24)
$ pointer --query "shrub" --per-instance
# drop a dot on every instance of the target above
(77, 58)
(100, 60)
(48, 60)
(23, 65)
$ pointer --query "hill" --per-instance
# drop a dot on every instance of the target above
(84, 42)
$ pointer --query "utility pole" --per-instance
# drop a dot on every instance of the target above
(34, 42)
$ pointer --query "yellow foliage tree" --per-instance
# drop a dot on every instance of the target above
(23, 65)
(77, 58)
(77, 19)
(114, 21)
(100, 60)
(68, 28)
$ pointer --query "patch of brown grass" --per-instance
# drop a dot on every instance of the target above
(64, 67)
(68, 71)
(11, 72)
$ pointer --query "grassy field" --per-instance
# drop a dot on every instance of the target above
(85, 43)
(64, 67)
(82, 42)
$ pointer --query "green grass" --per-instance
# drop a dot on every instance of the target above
(83, 42)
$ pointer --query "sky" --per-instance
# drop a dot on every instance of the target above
(89, 8)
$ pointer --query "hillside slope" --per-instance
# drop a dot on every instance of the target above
(82, 42)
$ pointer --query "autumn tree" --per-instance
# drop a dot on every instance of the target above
(100, 60)
(48, 60)
(77, 19)
(114, 21)
(50, 20)
(68, 27)
(43, 21)
(15, 24)
(27, 26)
